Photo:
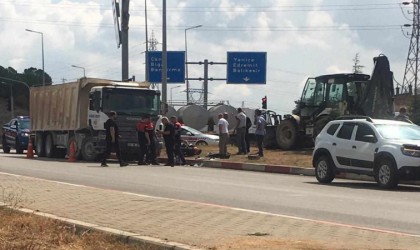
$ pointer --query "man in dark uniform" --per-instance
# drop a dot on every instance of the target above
(151, 143)
(112, 135)
(177, 146)
(143, 142)
(169, 138)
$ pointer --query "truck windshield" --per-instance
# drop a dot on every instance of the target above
(131, 101)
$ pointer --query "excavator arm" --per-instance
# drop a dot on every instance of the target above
(378, 96)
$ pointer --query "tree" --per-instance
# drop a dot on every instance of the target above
(31, 76)
(357, 68)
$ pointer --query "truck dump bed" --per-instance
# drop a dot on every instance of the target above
(65, 106)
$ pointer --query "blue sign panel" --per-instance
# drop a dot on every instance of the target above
(175, 66)
(246, 67)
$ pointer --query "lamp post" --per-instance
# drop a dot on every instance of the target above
(172, 89)
(186, 60)
(42, 46)
(84, 71)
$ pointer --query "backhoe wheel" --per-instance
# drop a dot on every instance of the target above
(386, 173)
(324, 171)
(320, 124)
(39, 142)
(287, 134)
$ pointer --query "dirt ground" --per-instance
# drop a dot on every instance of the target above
(299, 158)
(27, 231)
(268, 243)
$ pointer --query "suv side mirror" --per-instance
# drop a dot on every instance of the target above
(370, 138)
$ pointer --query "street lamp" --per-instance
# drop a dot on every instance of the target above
(186, 60)
(174, 88)
(84, 71)
(42, 44)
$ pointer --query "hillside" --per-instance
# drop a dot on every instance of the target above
(5, 115)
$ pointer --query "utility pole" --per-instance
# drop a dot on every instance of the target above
(412, 65)
(147, 42)
(357, 68)
(125, 17)
(164, 60)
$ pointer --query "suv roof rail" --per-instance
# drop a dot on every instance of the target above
(354, 117)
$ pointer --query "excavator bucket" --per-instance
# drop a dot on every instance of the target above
(378, 101)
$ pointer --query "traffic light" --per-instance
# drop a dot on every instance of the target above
(264, 102)
(9, 104)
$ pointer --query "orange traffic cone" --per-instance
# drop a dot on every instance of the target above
(30, 150)
(72, 152)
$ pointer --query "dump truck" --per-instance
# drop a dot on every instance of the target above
(326, 97)
(74, 114)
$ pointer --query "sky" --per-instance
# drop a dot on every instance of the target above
(302, 38)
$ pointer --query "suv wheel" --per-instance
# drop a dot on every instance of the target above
(386, 173)
(324, 171)
(18, 147)
(6, 148)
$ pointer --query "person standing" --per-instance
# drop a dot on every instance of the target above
(240, 131)
(259, 131)
(247, 139)
(177, 147)
(112, 142)
(402, 116)
(143, 142)
(151, 143)
(223, 125)
(169, 138)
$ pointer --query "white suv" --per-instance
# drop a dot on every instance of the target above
(388, 150)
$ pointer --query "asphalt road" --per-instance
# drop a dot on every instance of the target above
(344, 201)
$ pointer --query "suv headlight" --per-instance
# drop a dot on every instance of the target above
(410, 152)
(24, 134)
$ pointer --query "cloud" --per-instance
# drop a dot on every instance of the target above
(300, 41)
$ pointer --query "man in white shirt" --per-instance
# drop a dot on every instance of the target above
(223, 135)
(240, 131)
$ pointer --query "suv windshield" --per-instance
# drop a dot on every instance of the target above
(25, 124)
(399, 132)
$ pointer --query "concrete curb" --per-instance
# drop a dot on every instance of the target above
(279, 169)
(126, 237)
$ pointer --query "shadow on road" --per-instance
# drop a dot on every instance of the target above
(370, 185)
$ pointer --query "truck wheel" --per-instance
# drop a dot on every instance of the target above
(49, 146)
(88, 149)
(19, 149)
(386, 173)
(39, 141)
(287, 134)
(6, 148)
